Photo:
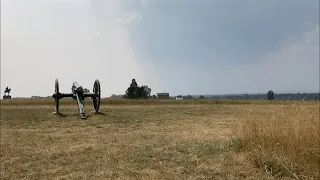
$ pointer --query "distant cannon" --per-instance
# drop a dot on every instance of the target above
(79, 95)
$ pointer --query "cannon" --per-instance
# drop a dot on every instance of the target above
(78, 94)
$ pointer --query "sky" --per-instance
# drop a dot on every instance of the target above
(176, 46)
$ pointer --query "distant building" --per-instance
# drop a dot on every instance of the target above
(163, 95)
(180, 97)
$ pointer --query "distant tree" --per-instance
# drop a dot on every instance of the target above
(113, 96)
(143, 92)
(85, 90)
(215, 97)
(201, 97)
(137, 92)
(187, 97)
(270, 95)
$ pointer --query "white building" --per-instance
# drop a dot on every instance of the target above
(179, 97)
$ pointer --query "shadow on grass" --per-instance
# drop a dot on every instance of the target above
(99, 113)
(62, 115)
(65, 115)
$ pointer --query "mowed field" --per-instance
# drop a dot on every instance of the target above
(154, 139)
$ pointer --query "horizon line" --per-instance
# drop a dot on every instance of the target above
(206, 94)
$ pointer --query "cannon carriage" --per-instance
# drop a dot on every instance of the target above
(79, 96)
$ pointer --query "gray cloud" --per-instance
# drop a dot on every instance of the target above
(182, 47)
(229, 46)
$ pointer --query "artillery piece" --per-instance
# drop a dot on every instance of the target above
(78, 95)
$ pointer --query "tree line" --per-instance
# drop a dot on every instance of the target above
(134, 91)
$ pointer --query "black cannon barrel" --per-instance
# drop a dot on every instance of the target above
(91, 95)
(67, 95)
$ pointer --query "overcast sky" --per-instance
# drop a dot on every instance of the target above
(175, 46)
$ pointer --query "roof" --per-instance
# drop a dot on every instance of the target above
(162, 93)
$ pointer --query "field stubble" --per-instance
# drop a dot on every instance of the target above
(160, 140)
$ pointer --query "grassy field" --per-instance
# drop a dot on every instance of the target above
(190, 139)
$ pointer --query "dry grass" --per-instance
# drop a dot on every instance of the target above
(140, 139)
(284, 140)
(111, 101)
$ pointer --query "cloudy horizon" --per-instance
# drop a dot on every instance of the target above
(181, 47)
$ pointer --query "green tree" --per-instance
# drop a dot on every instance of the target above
(189, 97)
(113, 96)
(85, 90)
(270, 95)
(137, 92)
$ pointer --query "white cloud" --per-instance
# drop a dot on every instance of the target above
(71, 40)
(127, 18)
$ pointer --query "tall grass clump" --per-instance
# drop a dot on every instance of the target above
(284, 141)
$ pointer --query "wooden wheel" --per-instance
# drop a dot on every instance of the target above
(56, 95)
(97, 97)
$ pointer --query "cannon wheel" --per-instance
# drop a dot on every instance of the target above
(57, 95)
(97, 97)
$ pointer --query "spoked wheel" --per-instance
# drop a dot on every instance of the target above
(97, 97)
(56, 95)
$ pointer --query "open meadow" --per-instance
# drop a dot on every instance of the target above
(160, 139)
